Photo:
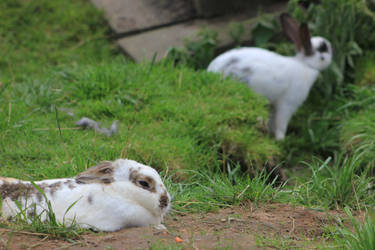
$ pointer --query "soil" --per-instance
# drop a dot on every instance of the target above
(246, 227)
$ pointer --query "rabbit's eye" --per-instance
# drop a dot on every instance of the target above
(144, 184)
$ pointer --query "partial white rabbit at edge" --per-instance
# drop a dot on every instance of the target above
(285, 81)
(107, 197)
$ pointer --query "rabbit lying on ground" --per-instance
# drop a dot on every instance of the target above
(285, 81)
(108, 197)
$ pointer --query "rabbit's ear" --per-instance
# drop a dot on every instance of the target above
(306, 39)
(102, 173)
(291, 29)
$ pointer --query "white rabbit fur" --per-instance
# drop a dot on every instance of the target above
(108, 197)
(284, 81)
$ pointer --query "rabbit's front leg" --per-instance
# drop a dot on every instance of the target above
(283, 111)
(271, 119)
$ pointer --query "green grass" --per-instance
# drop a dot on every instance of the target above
(205, 191)
(337, 185)
(360, 235)
(37, 36)
(159, 245)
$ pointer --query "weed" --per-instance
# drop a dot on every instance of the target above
(265, 28)
(283, 242)
(197, 53)
(337, 185)
(236, 32)
(358, 235)
(365, 70)
(205, 191)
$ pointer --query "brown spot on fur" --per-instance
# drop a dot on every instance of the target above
(53, 187)
(246, 70)
(16, 190)
(89, 199)
(106, 170)
(163, 200)
(138, 178)
(39, 196)
(70, 184)
(102, 173)
(107, 180)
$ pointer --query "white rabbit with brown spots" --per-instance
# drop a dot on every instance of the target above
(107, 197)
(284, 81)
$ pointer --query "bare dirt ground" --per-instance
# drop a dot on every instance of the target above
(270, 226)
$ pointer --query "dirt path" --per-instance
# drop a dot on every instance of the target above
(247, 227)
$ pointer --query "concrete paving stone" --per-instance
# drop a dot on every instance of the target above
(126, 16)
(143, 46)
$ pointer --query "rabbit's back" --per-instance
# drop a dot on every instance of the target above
(266, 72)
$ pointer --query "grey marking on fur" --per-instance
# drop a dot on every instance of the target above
(246, 70)
(231, 62)
(90, 199)
(241, 74)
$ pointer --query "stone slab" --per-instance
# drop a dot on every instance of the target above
(126, 16)
(211, 8)
(143, 46)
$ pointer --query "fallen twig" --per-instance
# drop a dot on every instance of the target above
(23, 232)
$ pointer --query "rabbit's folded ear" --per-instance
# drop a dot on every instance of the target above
(306, 39)
(291, 29)
(102, 173)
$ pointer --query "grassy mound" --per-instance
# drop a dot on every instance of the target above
(170, 118)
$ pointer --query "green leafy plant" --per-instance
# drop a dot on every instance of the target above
(236, 32)
(197, 53)
(265, 28)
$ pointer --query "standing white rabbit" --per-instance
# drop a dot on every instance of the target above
(285, 81)
(107, 197)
